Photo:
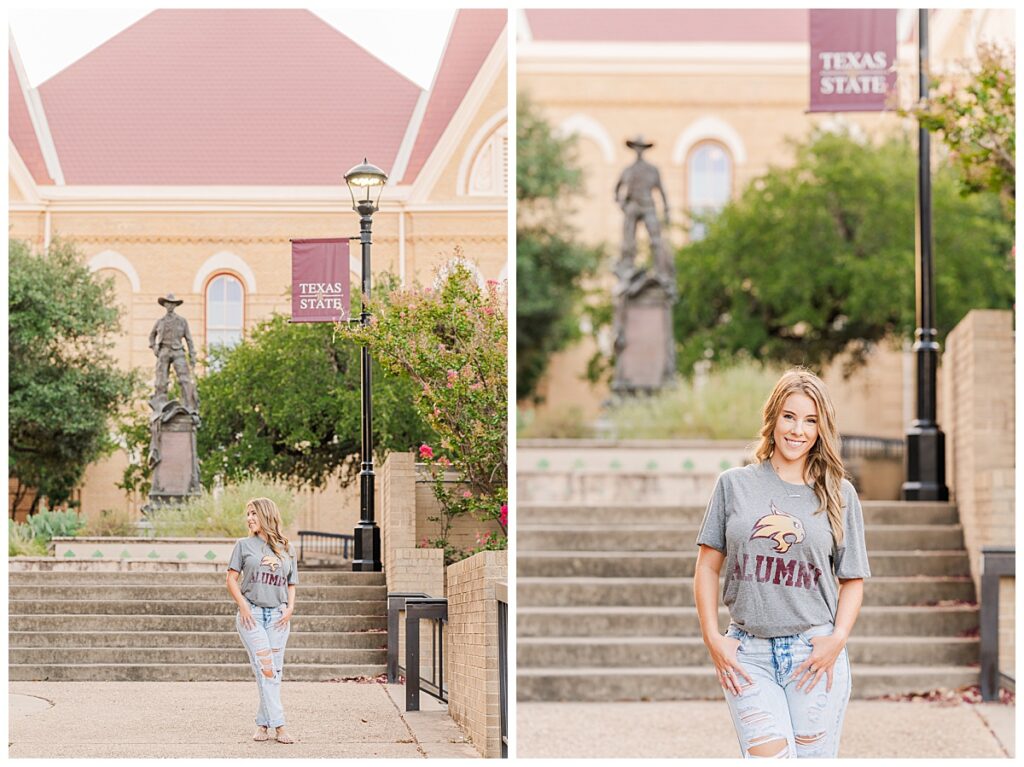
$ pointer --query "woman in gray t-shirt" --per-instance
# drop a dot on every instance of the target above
(785, 529)
(261, 579)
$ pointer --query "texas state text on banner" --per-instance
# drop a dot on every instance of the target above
(320, 280)
(853, 60)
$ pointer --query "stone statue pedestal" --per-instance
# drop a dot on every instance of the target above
(173, 456)
(644, 342)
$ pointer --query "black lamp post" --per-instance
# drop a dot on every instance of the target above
(926, 444)
(361, 181)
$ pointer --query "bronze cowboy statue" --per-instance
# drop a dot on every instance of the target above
(643, 296)
(165, 339)
(634, 193)
(173, 423)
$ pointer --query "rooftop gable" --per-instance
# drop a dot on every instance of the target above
(226, 97)
(472, 37)
(19, 125)
(669, 26)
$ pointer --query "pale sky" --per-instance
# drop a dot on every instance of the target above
(409, 40)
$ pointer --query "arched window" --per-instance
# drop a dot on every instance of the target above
(489, 174)
(224, 299)
(709, 182)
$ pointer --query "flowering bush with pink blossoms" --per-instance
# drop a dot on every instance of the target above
(976, 115)
(453, 342)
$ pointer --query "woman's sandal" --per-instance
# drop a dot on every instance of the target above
(284, 737)
(262, 733)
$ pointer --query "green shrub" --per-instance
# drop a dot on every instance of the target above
(45, 525)
(114, 523)
(21, 543)
(567, 423)
(727, 405)
(223, 517)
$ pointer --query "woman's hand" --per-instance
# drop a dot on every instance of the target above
(722, 650)
(245, 613)
(821, 661)
(285, 617)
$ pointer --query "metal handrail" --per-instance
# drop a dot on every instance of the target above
(325, 543)
(418, 606)
(996, 562)
(501, 594)
(855, 445)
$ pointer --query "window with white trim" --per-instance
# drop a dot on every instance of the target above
(224, 301)
(709, 183)
(488, 176)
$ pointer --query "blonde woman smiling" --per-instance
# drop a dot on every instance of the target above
(261, 579)
(786, 529)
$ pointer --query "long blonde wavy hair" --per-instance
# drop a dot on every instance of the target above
(269, 517)
(824, 465)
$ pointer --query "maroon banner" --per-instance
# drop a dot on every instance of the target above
(320, 280)
(853, 60)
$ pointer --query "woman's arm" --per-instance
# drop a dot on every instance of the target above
(705, 589)
(826, 650)
(289, 609)
(236, 594)
(851, 597)
(722, 649)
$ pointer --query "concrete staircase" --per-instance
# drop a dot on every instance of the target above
(180, 626)
(605, 604)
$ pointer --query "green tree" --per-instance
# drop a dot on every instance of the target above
(550, 264)
(286, 404)
(64, 386)
(453, 342)
(975, 114)
(818, 258)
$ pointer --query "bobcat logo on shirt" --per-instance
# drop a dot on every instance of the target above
(270, 561)
(780, 527)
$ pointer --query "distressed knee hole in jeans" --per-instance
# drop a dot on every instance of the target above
(267, 662)
(775, 748)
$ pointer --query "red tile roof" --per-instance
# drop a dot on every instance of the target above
(669, 26)
(219, 97)
(20, 128)
(472, 37)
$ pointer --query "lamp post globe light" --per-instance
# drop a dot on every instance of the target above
(361, 181)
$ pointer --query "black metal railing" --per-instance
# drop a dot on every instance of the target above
(858, 446)
(418, 607)
(996, 562)
(501, 593)
(327, 544)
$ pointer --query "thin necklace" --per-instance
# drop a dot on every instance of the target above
(787, 488)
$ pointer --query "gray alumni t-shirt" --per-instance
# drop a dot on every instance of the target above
(781, 561)
(265, 576)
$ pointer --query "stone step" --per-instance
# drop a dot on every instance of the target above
(353, 640)
(875, 513)
(172, 579)
(679, 564)
(174, 672)
(661, 683)
(178, 607)
(186, 623)
(678, 592)
(135, 656)
(663, 537)
(682, 621)
(569, 652)
(305, 594)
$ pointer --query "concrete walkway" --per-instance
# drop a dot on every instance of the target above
(695, 729)
(215, 719)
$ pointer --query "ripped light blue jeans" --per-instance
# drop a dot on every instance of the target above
(772, 709)
(265, 643)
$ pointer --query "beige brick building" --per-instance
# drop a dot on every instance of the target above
(719, 92)
(179, 164)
